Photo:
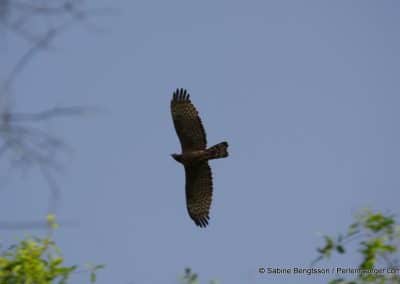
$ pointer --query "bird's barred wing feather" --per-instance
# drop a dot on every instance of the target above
(187, 122)
(199, 192)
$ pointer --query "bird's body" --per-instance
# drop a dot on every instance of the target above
(195, 156)
(190, 157)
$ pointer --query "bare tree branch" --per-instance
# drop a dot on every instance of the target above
(49, 114)
(55, 192)
(21, 144)
(23, 61)
(32, 146)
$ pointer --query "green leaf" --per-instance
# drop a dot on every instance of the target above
(327, 249)
(353, 229)
(378, 222)
(377, 236)
(92, 277)
(36, 260)
(340, 249)
(99, 266)
(336, 281)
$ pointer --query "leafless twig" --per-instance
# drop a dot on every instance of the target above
(51, 113)
(21, 143)
(23, 61)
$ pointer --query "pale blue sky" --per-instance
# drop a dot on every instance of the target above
(305, 92)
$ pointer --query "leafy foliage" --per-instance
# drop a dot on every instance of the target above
(37, 260)
(379, 239)
(190, 277)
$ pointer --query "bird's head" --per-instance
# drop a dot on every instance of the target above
(177, 157)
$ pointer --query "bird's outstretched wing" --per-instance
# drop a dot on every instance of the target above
(199, 192)
(187, 122)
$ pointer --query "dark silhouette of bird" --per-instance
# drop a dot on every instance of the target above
(195, 156)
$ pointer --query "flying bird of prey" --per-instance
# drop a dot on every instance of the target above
(195, 156)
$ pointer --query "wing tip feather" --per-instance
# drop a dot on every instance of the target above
(202, 222)
(181, 95)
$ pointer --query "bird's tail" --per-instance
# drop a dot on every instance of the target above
(218, 151)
